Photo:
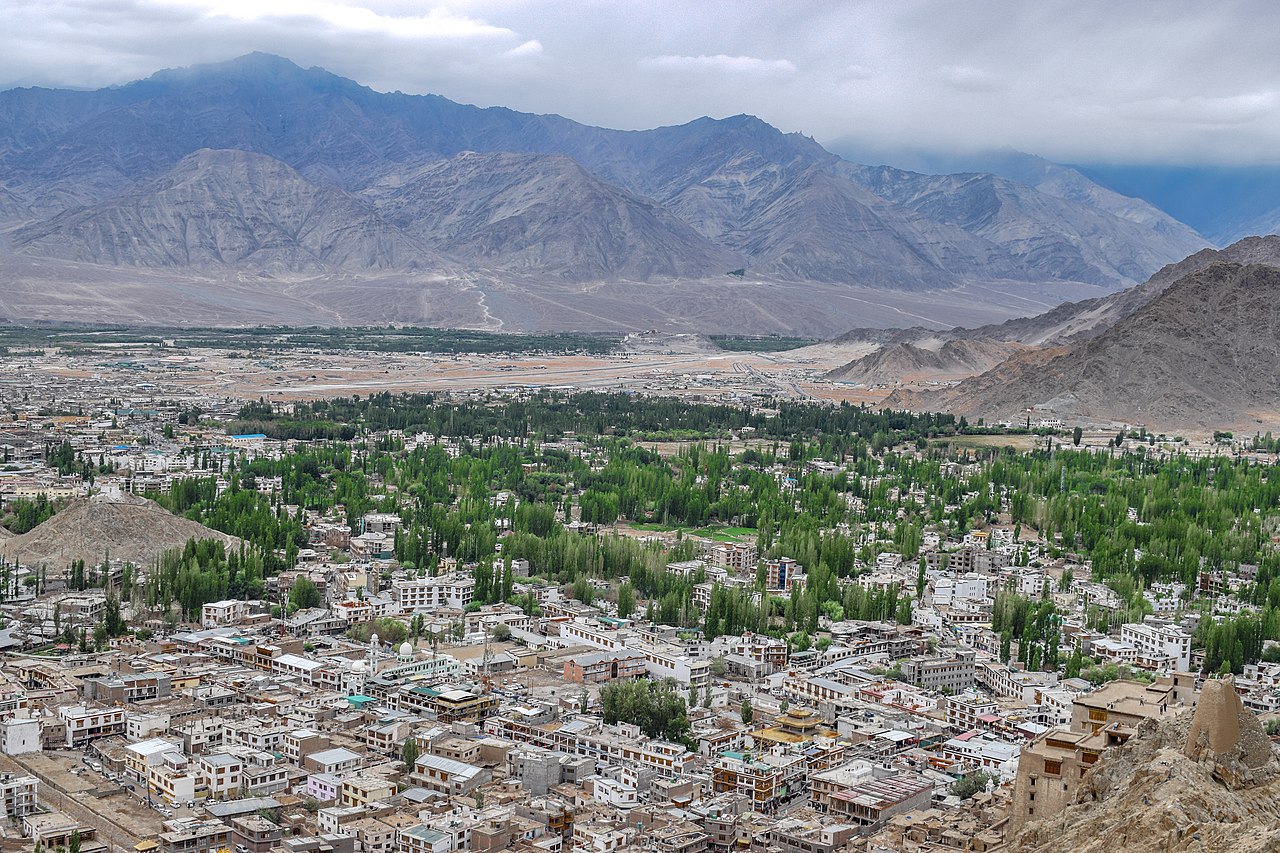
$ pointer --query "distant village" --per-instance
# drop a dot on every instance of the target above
(287, 723)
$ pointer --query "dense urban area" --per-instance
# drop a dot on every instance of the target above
(701, 616)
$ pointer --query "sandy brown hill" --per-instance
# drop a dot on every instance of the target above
(1074, 321)
(906, 362)
(1208, 782)
(125, 526)
(1205, 352)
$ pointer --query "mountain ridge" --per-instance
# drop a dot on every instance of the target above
(775, 208)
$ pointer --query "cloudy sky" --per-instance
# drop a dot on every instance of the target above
(1076, 80)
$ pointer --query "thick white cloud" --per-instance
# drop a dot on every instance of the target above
(1172, 81)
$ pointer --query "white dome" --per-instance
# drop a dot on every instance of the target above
(359, 666)
(406, 649)
(373, 639)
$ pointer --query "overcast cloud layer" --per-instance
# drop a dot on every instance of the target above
(1073, 80)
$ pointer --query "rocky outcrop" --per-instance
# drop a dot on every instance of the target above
(1207, 781)
(1226, 735)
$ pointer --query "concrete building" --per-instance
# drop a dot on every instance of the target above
(18, 795)
(736, 557)
(949, 673)
(1159, 645)
(767, 780)
(194, 836)
(433, 593)
(19, 736)
(447, 776)
(604, 666)
(84, 724)
(227, 612)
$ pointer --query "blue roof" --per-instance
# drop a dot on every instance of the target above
(251, 435)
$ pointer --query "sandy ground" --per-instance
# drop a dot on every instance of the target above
(119, 815)
(139, 372)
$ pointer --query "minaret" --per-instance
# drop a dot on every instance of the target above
(373, 653)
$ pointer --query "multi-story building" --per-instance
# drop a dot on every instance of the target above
(734, 556)
(140, 757)
(447, 776)
(228, 612)
(665, 660)
(255, 833)
(221, 772)
(18, 795)
(604, 666)
(952, 673)
(966, 711)
(623, 744)
(19, 736)
(84, 724)
(137, 687)
(872, 802)
(1159, 645)
(760, 648)
(362, 790)
(175, 780)
(782, 574)
(768, 780)
(192, 835)
(432, 593)
(1050, 768)
(1131, 702)
(980, 751)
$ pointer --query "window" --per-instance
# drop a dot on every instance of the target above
(1052, 767)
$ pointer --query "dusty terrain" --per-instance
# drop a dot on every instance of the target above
(140, 372)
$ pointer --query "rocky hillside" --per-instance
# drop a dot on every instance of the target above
(1208, 782)
(1201, 353)
(547, 214)
(255, 167)
(908, 362)
(1078, 320)
(230, 210)
(1072, 238)
(126, 527)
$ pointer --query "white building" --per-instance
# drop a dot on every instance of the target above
(18, 795)
(453, 590)
(219, 613)
(84, 724)
(1159, 645)
(19, 737)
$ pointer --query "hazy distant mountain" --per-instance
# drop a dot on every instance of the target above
(1076, 240)
(1225, 203)
(333, 177)
(1202, 352)
(228, 209)
(544, 213)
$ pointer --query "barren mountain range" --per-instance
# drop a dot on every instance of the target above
(298, 196)
(1196, 345)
